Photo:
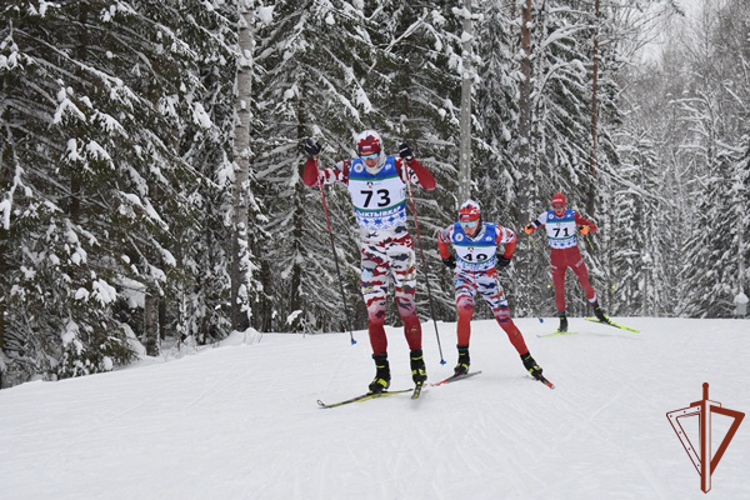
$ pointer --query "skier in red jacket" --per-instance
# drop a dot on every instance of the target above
(377, 185)
(561, 235)
(475, 243)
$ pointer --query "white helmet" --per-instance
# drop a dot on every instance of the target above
(469, 211)
(368, 142)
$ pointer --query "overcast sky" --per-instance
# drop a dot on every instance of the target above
(692, 9)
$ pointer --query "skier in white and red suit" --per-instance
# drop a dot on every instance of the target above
(377, 185)
(564, 253)
(475, 243)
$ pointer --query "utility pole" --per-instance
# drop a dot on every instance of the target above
(464, 175)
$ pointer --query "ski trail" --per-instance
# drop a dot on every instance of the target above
(335, 373)
(240, 422)
(98, 423)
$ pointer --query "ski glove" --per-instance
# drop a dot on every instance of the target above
(584, 230)
(528, 229)
(405, 152)
(502, 261)
(450, 262)
(312, 148)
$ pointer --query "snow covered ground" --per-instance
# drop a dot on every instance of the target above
(241, 422)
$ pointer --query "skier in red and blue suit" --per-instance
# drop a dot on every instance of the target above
(377, 185)
(564, 253)
(475, 243)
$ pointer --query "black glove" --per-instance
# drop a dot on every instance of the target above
(450, 262)
(502, 261)
(405, 152)
(312, 148)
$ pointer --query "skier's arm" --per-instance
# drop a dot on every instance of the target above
(418, 173)
(587, 224)
(535, 224)
(311, 176)
(508, 238)
(444, 238)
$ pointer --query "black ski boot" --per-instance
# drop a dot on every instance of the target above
(462, 368)
(418, 370)
(382, 380)
(599, 313)
(530, 364)
(563, 322)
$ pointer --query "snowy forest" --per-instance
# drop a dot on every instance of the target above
(151, 155)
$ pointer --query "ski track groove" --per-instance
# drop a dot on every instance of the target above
(218, 381)
(343, 358)
(100, 424)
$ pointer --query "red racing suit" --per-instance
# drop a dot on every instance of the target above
(564, 251)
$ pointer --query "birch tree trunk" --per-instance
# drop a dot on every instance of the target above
(464, 176)
(242, 153)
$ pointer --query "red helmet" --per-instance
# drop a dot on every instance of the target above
(558, 199)
(469, 211)
(368, 142)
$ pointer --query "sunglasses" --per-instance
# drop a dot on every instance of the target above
(469, 224)
(558, 207)
(373, 156)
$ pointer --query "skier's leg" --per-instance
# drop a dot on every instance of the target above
(374, 284)
(558, 266)
(403, 269)
(583, 276)
(465, 291)
(557, 269)
(579, 267)
(494, 295)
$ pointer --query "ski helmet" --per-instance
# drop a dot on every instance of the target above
(558, 199)
(469, 211)
(368, 142)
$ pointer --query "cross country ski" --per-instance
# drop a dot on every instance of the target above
(613, 324)
(454, 378)
(364, 397)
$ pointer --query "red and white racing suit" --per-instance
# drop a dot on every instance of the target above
(475, 272)
(387, 249)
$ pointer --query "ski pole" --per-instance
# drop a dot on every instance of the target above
(335, 257)
(427, 265)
